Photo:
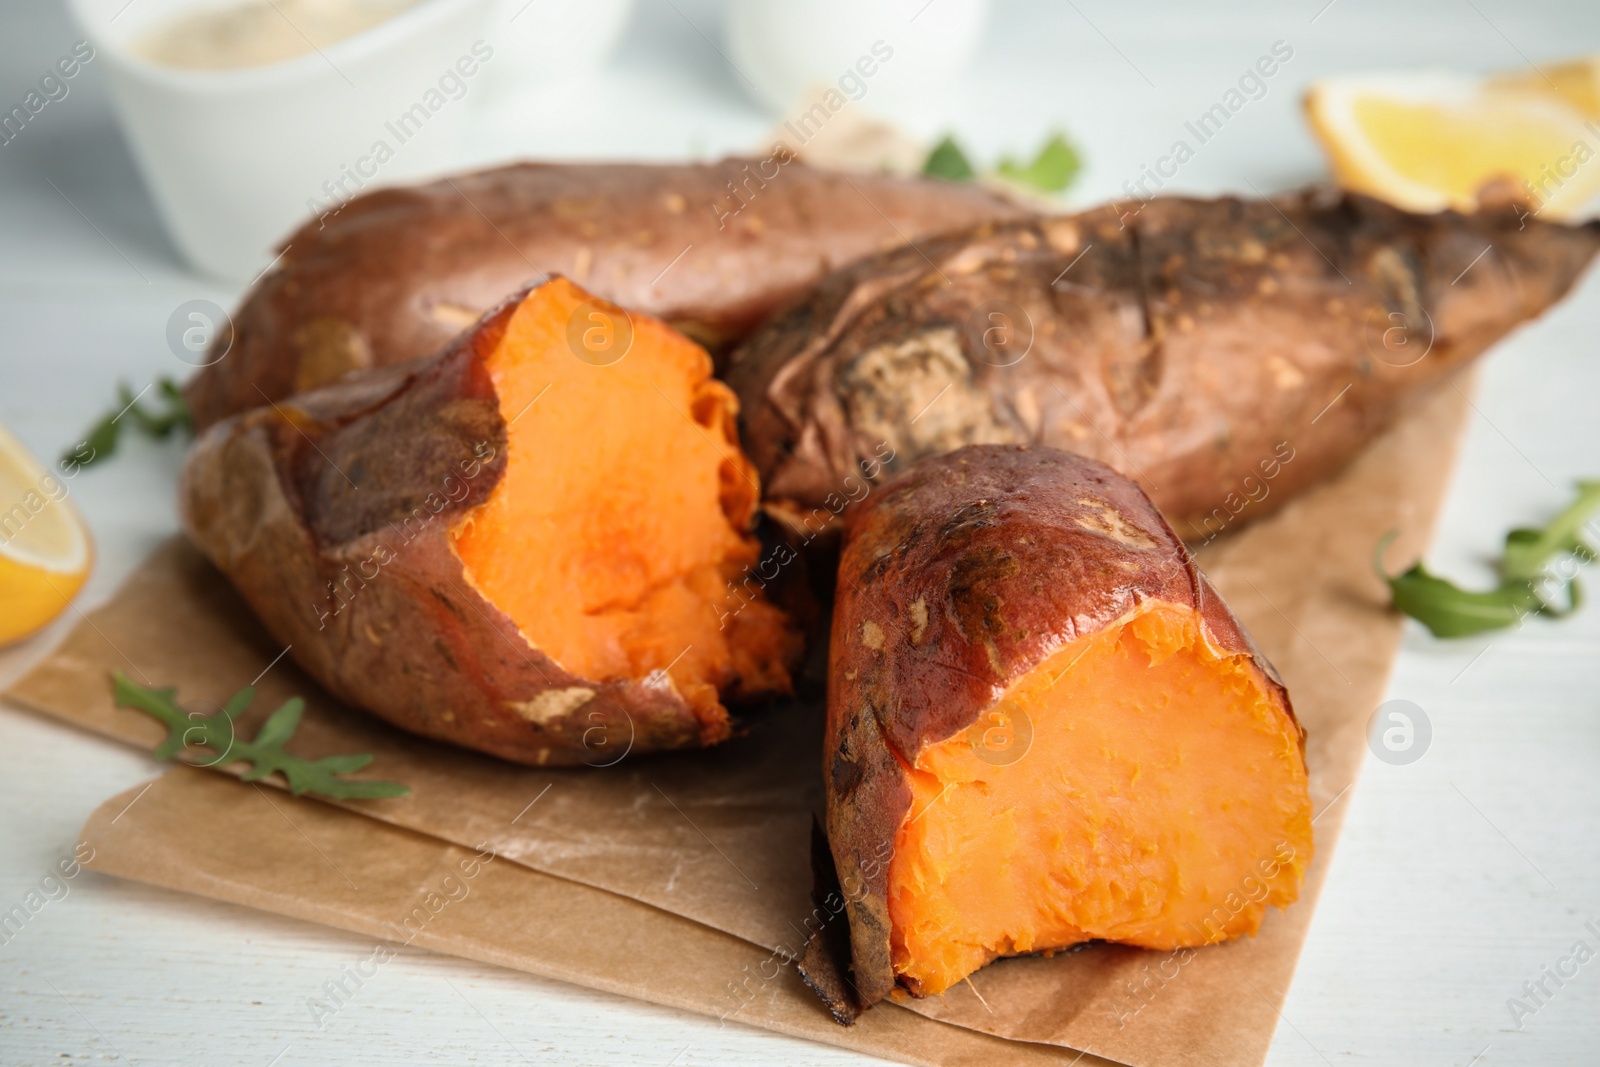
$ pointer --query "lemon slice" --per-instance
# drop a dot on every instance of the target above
(44, 547)
(1427, 141)
(1577, 81)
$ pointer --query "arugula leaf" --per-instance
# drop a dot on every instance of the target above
(1529, 551)
(1447, 610)
(265, 753)
(1051, 171)
(949, 162)
(101, 440)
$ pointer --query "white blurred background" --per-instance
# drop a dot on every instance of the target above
(1433, 917)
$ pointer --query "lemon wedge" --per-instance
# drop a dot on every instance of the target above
(1577, 81)
(1426, 141)
(44, 546)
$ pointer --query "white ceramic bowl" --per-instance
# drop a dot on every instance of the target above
(236, 159)
(546, 42)
(783, 48)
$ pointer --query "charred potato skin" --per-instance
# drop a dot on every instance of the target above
(1203, 348)
(350, 562)
(957, 578)
(393, 275)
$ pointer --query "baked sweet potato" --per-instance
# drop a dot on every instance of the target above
(1225, 353)
(393, 275)
(522, 546)
(1044, 727)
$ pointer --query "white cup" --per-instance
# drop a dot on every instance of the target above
(236, 159)
(781, 49)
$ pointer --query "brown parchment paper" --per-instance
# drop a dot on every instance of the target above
(720, 837)
(253, 853)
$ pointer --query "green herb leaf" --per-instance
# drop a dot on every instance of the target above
(237, 703)
(1449, 611)
(102, 439)
(266, 753)
(98, 443)
(949, 162)
(280, 725)
(1525, 587)
(1529, 551)
(1051, 171)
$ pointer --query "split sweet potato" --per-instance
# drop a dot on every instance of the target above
(393, 275)
(1044, 727)
(1225, 353)
(522, 546)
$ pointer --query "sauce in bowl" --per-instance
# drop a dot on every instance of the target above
(255, 33)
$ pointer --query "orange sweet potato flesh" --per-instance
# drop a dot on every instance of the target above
(522, 546)
(616, 562)
(1086, 828)
(1044, 728)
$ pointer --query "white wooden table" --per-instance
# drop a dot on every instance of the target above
(1459, 877)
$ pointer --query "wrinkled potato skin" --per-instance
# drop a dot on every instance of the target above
(284, 499)
(1202, 347)
(395, 274)
(1011, 551)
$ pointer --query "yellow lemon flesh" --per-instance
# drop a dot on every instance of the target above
(44, 547)
(1430, 141)
(1577, 81)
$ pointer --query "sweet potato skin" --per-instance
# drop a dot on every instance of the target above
(350, 561)
(956, 579)
(1226, 353)
(393, 275)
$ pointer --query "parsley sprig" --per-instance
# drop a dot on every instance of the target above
(266, 753)
(1527, 587)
